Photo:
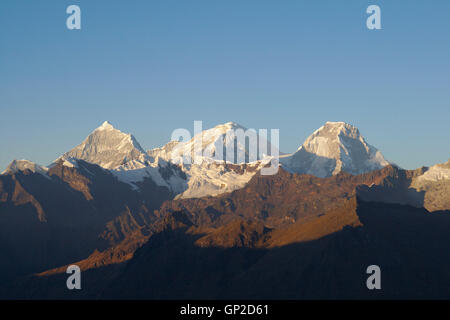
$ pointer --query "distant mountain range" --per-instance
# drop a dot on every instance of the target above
(333, 148)
(144, 224)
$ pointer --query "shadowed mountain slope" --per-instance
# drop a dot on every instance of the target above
(63, 216)
(177, 264)
(283, 236)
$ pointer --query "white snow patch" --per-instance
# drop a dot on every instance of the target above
(22, 165)
(436, 173)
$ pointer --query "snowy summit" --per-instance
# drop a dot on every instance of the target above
(335, 147)
(107, 147)
(22, 165)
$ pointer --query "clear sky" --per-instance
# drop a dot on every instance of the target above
(152, 66)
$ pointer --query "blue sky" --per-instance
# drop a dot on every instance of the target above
(152, 66)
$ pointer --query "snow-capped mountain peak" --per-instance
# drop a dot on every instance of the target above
(230, 126)
(106, 126)
(212, 175)
(223, 142)
(22, 165)
(327, 140)
(335, 147)
(108, 147)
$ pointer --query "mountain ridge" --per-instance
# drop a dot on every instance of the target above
(333, 148)
(122, 154)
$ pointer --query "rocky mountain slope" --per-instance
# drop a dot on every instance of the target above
(323, 257)
(63, 215)
(330, 265)
(435, 185)
(285, 236)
